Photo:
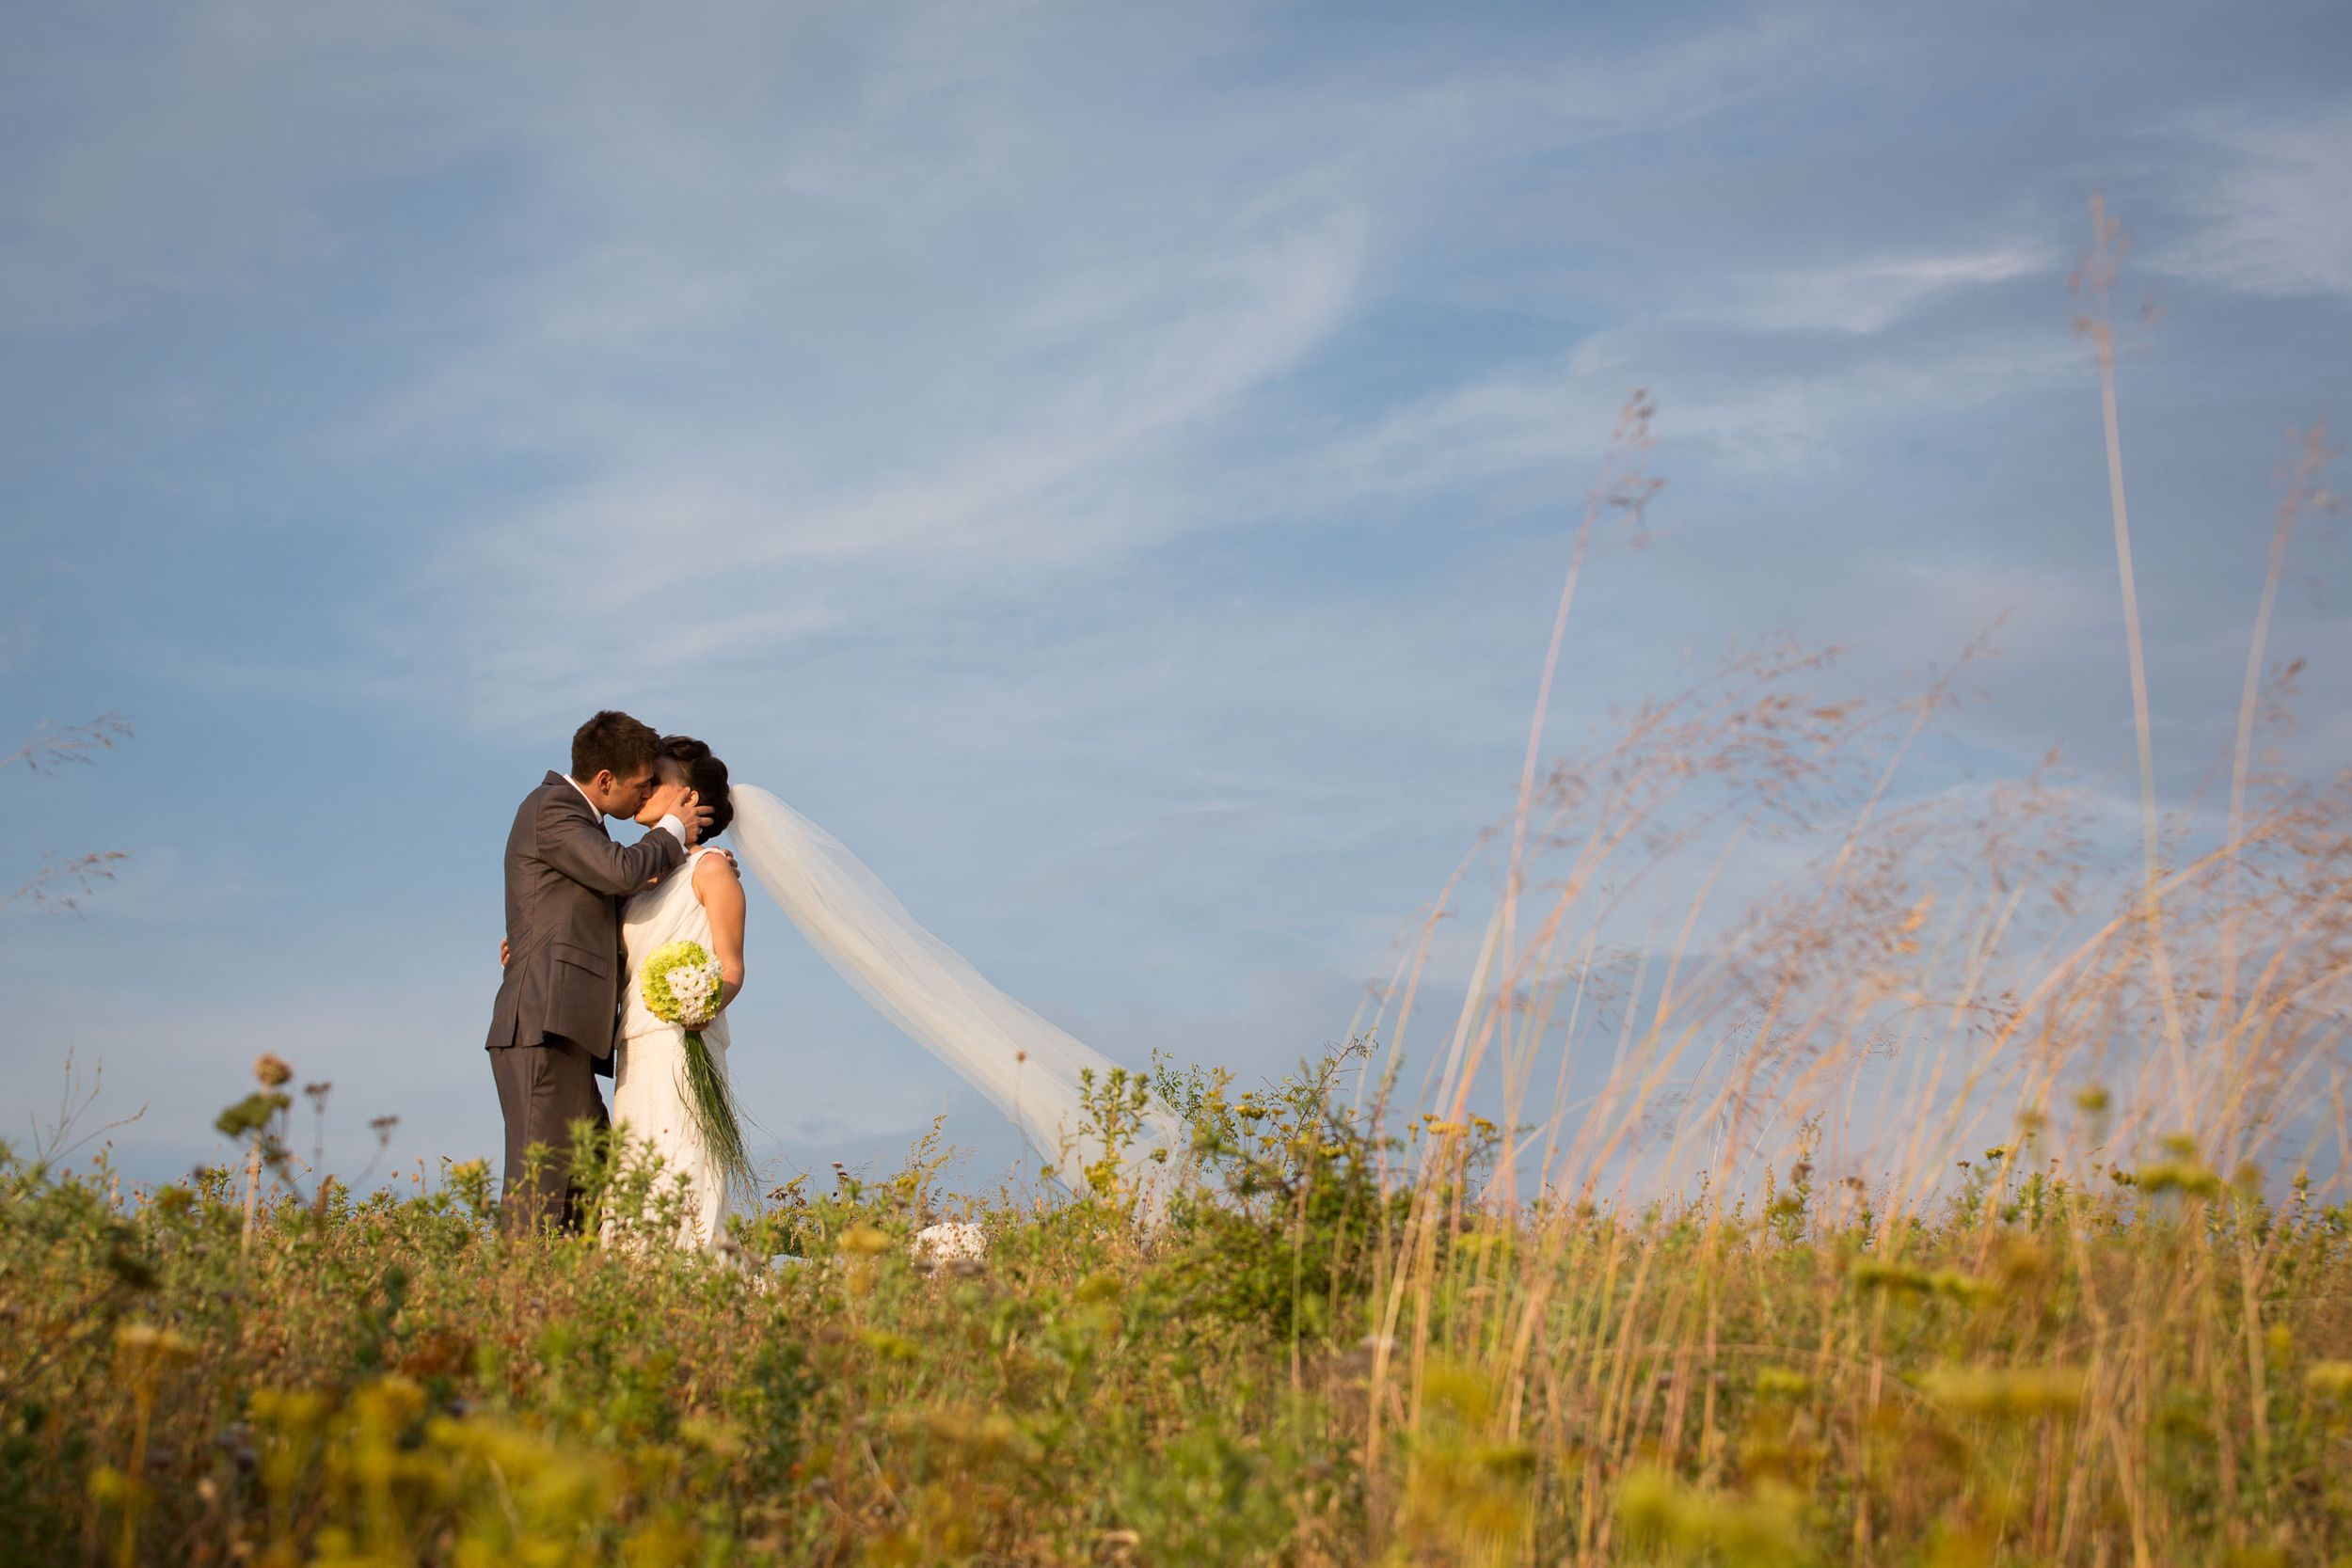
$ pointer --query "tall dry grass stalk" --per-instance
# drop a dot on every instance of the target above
(2305, 495)
(2098, 275)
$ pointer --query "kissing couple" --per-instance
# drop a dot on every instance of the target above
(582, 915)
(585, 915)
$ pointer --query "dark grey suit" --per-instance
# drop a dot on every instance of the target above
(559, 1003)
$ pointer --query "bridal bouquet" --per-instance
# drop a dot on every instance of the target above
(681, 981)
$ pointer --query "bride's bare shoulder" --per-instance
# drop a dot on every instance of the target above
(715, 868)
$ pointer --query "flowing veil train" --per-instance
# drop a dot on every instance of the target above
(1028, 1069)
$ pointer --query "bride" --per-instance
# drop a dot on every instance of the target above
(1037, 1074)
(701, 901)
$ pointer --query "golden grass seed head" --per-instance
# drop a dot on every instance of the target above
(1964, 1287)
(864, 1241)
(291, 1412)
(890, 1346)
(1650, 1507)
(1457, 1391)
(2020, 1394)
(1964, 1548)
(145, 1344)
(1659, 1509)
(720, 1438)
(2330, 1379)
(1872, 1273)
(387, 1406)
(661, 1541)
(2177, 1176)
(2256, 1557)
(109, 1487)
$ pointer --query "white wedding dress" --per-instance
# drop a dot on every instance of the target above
(649, 1103)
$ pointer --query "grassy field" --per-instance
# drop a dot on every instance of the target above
(1292, 1366)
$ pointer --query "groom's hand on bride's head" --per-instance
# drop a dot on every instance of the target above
(689, 809)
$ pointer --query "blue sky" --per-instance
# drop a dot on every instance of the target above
(1112, 466)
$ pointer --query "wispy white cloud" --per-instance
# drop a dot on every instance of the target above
(1087, 397)
(2271, 213)
(1870, 296)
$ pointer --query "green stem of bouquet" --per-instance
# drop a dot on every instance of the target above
(716, 1115)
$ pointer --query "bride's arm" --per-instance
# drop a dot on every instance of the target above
(720, 887)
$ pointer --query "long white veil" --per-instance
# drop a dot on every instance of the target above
(1028, 1069)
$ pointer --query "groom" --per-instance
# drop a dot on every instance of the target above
(552, 1025)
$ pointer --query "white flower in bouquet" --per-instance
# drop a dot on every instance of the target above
(681, 982)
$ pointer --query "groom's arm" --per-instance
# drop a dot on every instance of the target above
(572, 845)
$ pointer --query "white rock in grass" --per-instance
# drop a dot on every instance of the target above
(953, 1242)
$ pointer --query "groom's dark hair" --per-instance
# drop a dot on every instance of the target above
(706, 775)
(612, 740)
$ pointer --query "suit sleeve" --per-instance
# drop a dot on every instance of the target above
(578, 851)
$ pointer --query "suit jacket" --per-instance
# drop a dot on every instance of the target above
(564, 883)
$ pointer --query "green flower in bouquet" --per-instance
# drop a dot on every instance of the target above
(681, 985)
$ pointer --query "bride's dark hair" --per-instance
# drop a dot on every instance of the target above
(706, 775)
